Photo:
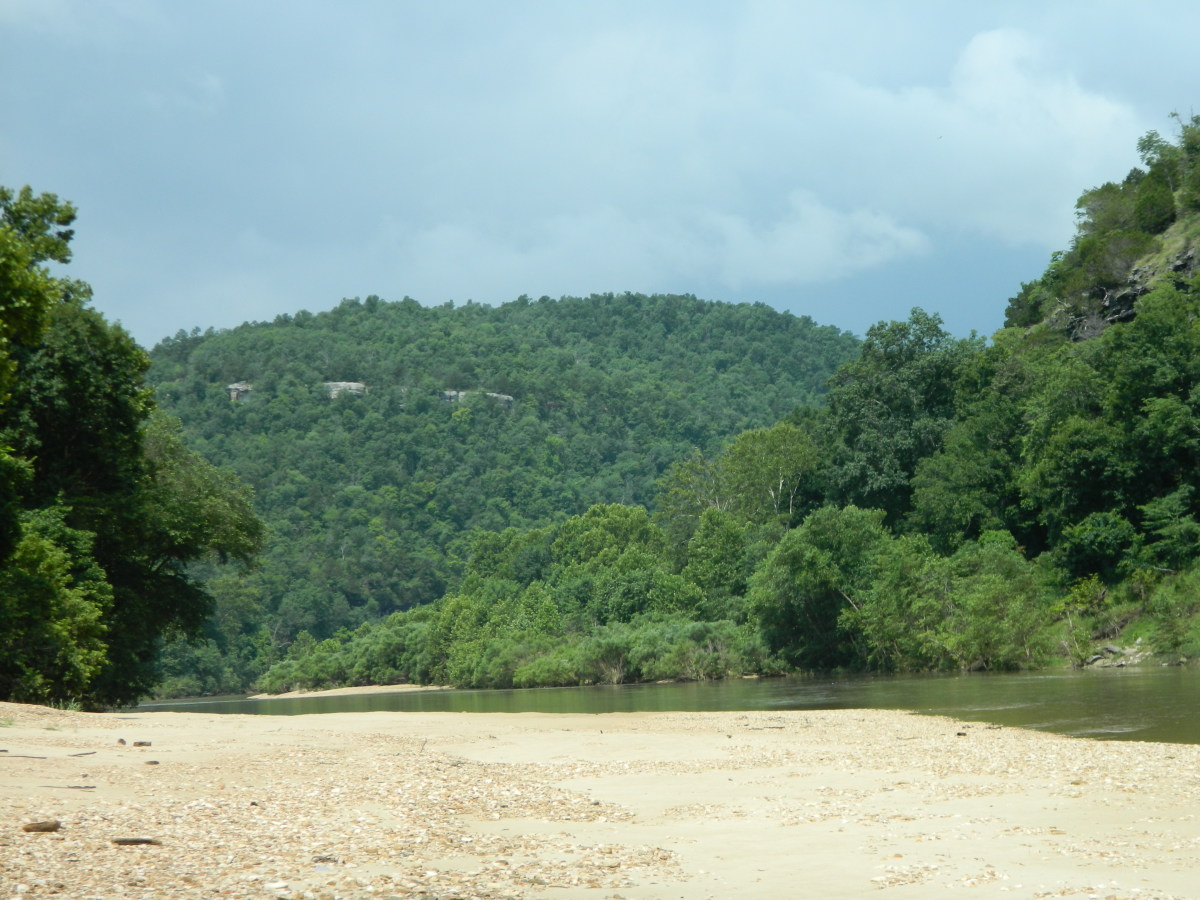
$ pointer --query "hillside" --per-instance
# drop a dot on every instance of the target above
(610, 488)
(954, 504)
(441, 422)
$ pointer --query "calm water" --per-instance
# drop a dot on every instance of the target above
(1142, 704)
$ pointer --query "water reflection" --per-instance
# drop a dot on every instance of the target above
(1146, 704)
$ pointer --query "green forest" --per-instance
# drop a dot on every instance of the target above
(384, 440)
(605, 489)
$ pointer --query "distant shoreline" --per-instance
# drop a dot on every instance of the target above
(352, 691)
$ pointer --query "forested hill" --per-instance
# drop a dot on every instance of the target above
(952, 504)
(381, 436)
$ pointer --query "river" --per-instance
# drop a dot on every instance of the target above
(1151, 703)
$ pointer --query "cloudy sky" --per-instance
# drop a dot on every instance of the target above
(848, 161)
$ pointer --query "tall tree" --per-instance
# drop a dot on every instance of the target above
(33, 231)
(114, 508)
(891, 407)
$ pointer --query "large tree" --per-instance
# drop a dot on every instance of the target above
(106, 508)
(891, 407)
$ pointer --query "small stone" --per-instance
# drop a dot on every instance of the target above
(42, 827)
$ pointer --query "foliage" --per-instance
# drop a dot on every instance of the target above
(1118, 225)
(373, 501)
(602, 607)
(603, 489)
(54, 601)
(104, 510)
(1174, 609)
(954, 505)
(891, 407)
(818, 571)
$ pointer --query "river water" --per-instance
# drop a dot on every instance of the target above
(1150, 703)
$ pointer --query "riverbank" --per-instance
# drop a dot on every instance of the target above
(352, 691)
(691, 805)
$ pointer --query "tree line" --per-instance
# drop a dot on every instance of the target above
(951, 504)
(471, 419)
(602, 489)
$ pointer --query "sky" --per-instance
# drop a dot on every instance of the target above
(232, 161)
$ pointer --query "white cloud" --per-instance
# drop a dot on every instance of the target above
(810, 243)
(1002, 148)
(606, 249)
(484, 151)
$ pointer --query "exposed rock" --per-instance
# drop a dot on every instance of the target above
(239, 390)
(337, 388)
(1185, 261)
(1111, 656)
(459, 396)
(42, 827)
(1118, 305)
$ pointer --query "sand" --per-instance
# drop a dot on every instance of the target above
(646, 805)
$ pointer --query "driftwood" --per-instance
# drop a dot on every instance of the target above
(137, 842)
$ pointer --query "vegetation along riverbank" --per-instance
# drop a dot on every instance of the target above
(606, 489)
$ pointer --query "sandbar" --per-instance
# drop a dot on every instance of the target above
(638, 806)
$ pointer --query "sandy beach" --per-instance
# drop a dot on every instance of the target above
(655, 805)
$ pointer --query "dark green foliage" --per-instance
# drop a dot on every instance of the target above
(1154, 209)
(603, 606)
(1119, 225)
(103, 509)
(32, 232)
(609, 489)
(718, 564)
(816, 572)
(955, 505)
(373, 500)
(890, 408)
(54, 603)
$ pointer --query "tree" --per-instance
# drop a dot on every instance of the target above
(54, 602)
(114, 509)
(891, 407)
(819, 570)
(770, 474)
(904, 617)
(716, 558)
(1000, 614)
(33, 231)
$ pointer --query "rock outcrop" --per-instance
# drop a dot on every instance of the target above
(336, 388)
(459, 396)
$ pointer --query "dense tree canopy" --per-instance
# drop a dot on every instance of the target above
(609, 488)
(953, 504)
(105, 509)
(470, 419)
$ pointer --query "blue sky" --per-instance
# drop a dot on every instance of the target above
(236, 160)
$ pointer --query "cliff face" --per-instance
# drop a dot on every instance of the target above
(1179, 269)
(1131, 237)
